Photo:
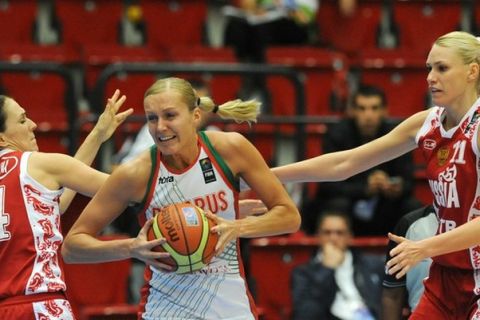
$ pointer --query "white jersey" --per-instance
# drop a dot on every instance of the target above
(218, 291)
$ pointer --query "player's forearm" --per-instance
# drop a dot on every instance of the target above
(88, 150)
(279, 220)
(460, 238)
(328, 167)
(83, 248)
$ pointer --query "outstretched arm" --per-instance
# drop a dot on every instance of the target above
(409, 253)
(341, 165)
(107, 123)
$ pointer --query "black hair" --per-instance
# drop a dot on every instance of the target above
(3, 116)
(369, 91)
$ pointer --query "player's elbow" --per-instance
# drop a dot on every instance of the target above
(295, 220)
(66, 254)
(68, 251)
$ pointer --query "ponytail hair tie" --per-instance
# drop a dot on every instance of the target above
(198, 101)
(215, 109)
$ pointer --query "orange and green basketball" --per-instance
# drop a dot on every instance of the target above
(189, 241)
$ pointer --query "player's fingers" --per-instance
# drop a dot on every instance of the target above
(123, 115)
(119, 103)
(211, 216)
(393, 269)
(399, 249)
(146, 226)
(159, 265)
(115, 95)
(219, 246)
(402, 272)
(395, 238)
(156, 242)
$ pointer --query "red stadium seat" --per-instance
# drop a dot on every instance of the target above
(325, 77)
(46, 107)
(17, 20)
(401, 73)
(179, 22)
(222, 87)
(353, 33)
(420, 22)
(86, 22)
(97, 57)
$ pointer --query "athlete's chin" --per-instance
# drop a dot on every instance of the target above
(167, 150)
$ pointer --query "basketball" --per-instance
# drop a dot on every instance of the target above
(189, 241)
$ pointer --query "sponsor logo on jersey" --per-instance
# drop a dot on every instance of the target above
(7, 164)
(167, 179)
(207, 170)
(429, 144)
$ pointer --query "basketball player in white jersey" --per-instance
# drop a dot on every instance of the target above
(447, 135)
(32, 198)
(203, 168)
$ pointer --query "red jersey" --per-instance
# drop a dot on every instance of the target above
(453, 164)
(30, 235)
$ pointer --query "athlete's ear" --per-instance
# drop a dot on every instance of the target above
(473, 71)
(3, 141)
(197, 116)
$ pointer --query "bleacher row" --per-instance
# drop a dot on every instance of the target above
(89, 41)
(54, 82)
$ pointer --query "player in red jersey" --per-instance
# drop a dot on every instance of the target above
(447, 134)
(32, 198)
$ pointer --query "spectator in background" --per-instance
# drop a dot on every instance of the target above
(253, 25)
(378, 197)
(416, 225)
(338, 283)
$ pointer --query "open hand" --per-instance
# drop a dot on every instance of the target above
(143, 249)
(404, 256)
(110, 119)
(226, 229)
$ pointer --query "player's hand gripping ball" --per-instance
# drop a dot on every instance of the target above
(189, 241)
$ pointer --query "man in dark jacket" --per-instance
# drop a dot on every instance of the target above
(337, 283)
(378, 197)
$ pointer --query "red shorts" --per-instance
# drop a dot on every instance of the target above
(44, 306)
(448, 295)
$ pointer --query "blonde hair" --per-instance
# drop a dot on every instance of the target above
(237, 110)
(465, 44)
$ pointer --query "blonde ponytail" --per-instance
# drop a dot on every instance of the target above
(237, 110)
